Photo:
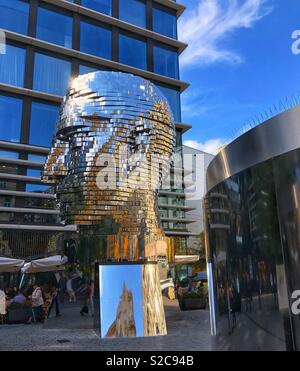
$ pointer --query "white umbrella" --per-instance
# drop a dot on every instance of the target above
(50, 264)
(8, 265)
(186, 259)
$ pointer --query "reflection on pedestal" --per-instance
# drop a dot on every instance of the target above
(129, 300)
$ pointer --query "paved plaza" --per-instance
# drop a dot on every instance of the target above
(187, 331)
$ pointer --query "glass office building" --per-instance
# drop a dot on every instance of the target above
(252, 211)
(47, 43)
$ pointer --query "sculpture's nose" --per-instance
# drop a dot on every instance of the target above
(55, 166)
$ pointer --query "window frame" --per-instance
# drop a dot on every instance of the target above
(41, 102)
(134, 24)
(98, 11)
(167, 10)
(23, 46)
(169, 48)
(138, 38)
(100, 25)
(21, 99)
(60, 11)
(28, 19)
(53, 55)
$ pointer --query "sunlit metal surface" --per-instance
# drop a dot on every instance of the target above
(273, 138)
(114, 142)
(252, 238)
(113, 117)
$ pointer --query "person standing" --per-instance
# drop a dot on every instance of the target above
(37, 302)
(2, 304)
(20, 298)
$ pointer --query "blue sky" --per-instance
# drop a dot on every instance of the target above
(239, 63)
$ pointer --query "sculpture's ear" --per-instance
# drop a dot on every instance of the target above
(163, 130)
(55, 166)
(141, 135)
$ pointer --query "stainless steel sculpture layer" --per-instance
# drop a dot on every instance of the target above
(113, 144)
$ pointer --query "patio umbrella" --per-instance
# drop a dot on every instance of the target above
(186, 259)
(8, 265)
(50, 264)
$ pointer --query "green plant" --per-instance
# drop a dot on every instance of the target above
(25, 305)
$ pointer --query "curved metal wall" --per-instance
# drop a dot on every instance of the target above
(276, 136)
(253, 237)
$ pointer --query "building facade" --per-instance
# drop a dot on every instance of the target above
(48, 43)
(252, 217)
(195, 163)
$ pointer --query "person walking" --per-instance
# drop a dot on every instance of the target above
(62, 288)
(90, 297)
(54, 294)
(89, 301)
(70, 290)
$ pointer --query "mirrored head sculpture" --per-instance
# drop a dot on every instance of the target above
(113, 144)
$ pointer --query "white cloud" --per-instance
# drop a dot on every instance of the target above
(206, 26)
(210, 146)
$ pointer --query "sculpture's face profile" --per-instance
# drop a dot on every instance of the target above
(109, 124)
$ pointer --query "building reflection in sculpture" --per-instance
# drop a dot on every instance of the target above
(130, 300)
(253, 233)
(244, 236)
(113, 144)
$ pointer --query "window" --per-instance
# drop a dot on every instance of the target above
(51, 75)
(14, 15)
(34, 172)
(133, 11)
(95, 40)
(8, 169)
(54, 27)
(83, 69)
(173, 97)
(133, 52)
(8, 202)
(37, 188)
(179, 139)
(102, 6)
(12, 66)
(165, 62)
(37, 158)
(42, 123)
(10, 118)
(9, 154)
(164, 21)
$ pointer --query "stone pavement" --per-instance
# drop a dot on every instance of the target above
(187, 331)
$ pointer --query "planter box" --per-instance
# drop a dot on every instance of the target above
(192, 303)
(19, 315)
